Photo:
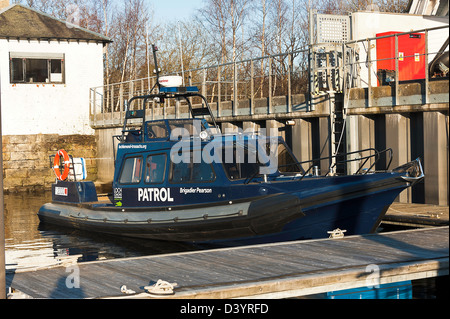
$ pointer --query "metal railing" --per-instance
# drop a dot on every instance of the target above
(269, 84)
(368, 43)
(225, 86)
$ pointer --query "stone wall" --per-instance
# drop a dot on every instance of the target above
(26, 164)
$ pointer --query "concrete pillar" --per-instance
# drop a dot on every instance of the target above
(324, 142)
(398, 138)
(274, 124)
(302, 140)
(228, 127)
(249, 126)
(435, 126)
(366, 138)
(352, 130)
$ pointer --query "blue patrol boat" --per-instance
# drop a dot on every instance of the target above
(183, 180)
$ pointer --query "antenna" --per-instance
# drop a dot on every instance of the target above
(154, 49)
(148, 57)
(181, 52)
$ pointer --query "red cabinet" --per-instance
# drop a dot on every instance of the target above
(411, 58)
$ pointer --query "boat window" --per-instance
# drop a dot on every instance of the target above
(131, 171)
(238, 164)
(182, 127)
(191, 172)
(156, 130)
(155, 168)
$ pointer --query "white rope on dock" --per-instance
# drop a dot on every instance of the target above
(161, 288)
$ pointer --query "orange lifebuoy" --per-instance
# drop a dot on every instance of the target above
(56, 163)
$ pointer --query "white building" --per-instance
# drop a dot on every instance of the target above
(46, 69)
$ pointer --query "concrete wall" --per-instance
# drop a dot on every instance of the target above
(412, 129)
(51, 108)
(26, 165)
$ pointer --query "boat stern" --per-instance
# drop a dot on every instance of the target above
(74, 192)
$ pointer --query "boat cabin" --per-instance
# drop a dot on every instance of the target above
(165, 158)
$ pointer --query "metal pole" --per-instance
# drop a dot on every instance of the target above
(425, 58)
(397, 75)
(2, 224)
(369, 75)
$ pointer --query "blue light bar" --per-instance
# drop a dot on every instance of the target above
(180, 90)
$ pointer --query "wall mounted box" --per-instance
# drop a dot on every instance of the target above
(411, 55)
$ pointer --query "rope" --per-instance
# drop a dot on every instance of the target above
(161, 288)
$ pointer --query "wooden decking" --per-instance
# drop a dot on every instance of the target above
(416, 215)
(262, 271)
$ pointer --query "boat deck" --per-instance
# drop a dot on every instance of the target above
(278, 270)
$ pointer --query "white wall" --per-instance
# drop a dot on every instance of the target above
(367, 24)
(51, 108)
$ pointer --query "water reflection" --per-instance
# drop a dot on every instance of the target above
(29, 244)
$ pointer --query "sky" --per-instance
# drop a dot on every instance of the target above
(165, 10)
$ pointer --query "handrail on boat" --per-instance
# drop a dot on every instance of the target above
(376, 155)
(204, 110)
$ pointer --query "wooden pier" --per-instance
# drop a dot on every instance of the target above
(278, 270)
(416, 215)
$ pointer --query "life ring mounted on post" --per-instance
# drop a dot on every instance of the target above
(57, 162)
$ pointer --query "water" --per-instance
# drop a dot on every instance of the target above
(29, 244)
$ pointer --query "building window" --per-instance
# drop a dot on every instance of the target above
(36, 68)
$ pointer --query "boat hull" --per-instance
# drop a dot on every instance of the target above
(354, 203)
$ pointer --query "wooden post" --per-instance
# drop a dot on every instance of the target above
(2, 223)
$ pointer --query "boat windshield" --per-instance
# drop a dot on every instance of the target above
(242, 162)
(156, 129)
(239, 162)
(183, 127)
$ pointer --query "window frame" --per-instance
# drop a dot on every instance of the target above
(27, 58)
(164, 173)
(190, 165)
(123, 167)
(227, 166)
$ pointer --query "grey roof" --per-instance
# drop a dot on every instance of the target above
(21, 22)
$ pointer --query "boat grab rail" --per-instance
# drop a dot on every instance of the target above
(377, 155)
(204, 110)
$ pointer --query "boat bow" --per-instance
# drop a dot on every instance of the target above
(412, 172)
